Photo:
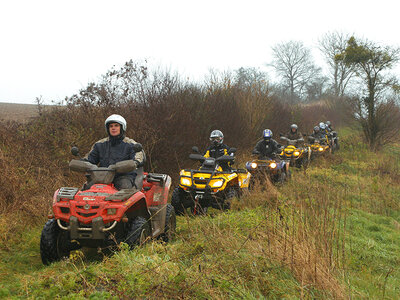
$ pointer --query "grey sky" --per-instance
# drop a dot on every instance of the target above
(54, 48)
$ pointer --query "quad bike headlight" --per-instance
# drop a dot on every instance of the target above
(296, 153)
(320, 149)
(253, 165)
(186, 181)
(272, 165)
(216, 183)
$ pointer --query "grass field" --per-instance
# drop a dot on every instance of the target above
(17, 112)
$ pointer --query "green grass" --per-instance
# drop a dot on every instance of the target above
(373, 247)
(209, 258)
(330, 232)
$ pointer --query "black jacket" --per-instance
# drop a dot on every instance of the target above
(218, 151)
(317, 136)
(294, 136)
(109, 151)
(267, 149)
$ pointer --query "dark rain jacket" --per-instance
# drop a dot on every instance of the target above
(109, 151)
(319, 135)
(268, 149)
(218, 151)
(295, 136)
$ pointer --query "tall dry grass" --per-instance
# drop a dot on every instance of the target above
(304, 229)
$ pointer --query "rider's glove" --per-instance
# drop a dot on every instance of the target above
(136, 164)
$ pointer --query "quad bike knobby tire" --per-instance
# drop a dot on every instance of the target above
(54, 243)
(170, 224)
(139, 231)
(230, 193)
(177, 201)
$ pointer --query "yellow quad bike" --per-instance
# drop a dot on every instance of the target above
(297, 156)
(319, 147)
(209, 186)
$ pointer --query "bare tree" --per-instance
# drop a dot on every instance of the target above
(316, 88)
(294, 64)
(331, 45)
(371, 63)
(250, 76)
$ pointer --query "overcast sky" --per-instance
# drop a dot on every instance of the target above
(54, 48)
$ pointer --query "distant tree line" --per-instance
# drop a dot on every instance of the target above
(358, 77)
(358, 70)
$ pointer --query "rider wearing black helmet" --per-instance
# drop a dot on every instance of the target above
(218, 148)
(267, 147)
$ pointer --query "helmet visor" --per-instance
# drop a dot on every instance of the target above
(216, 140)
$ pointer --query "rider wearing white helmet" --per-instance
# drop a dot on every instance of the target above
(115, 148)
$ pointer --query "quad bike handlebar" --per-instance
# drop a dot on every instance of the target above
(291, 142)
(201, 158)
(101, 174)
(82, 166)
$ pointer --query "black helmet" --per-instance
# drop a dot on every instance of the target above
(293, 126)
(216, 137)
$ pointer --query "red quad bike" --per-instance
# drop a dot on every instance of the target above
(103, 216)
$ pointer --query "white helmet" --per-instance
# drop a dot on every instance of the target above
(322, 125)
(116, 119)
